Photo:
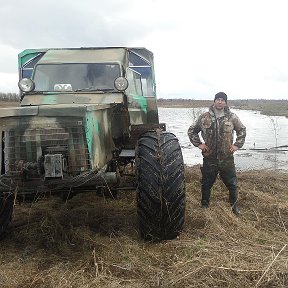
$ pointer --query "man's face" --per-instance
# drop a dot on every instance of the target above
(219, 103)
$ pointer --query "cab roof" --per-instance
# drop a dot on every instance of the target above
(83, 55)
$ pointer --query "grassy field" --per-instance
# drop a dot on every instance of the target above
(93, 242)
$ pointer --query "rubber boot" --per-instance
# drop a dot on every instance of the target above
(235, 209)
(205, 199)
(233, 199)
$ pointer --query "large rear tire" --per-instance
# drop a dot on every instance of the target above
(160, 186)
(6, 210)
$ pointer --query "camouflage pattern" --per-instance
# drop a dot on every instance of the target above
(85, 129)
(210, 170)
(217, 133)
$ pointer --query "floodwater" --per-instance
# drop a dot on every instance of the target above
(264, 133)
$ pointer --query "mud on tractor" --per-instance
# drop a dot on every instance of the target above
(87, 115)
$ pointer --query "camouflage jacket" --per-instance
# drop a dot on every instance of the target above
(217, 133)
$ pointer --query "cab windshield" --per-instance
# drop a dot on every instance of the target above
(76, 77)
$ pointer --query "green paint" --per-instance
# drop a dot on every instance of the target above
(28, 54)
(142, 102)
(50, 99)
(92, 126)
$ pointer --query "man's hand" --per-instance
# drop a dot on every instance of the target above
(203, 147)
(233, 148)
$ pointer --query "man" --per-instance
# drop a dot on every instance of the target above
(217, 127)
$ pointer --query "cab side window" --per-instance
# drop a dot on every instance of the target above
(139, 74)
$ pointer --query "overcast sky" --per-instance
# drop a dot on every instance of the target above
(200, 47)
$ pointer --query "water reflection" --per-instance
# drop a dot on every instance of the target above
(264, 133)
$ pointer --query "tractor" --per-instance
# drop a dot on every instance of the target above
(86, 117)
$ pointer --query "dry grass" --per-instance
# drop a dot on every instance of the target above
(93, 242)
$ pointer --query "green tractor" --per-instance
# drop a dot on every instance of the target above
(86, 116)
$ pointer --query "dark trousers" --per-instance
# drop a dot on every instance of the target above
(226, 169)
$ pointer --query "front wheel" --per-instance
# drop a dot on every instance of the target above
(6, 210)
(160, 186)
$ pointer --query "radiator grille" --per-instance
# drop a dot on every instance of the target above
(29, 144)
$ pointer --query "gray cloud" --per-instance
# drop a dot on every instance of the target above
(66, 23)
(46, 24)
(202, 50)
(62, 23)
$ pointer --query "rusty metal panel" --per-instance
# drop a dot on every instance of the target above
(53, 166)
(137, 116)
(18, 111)
(99, 136)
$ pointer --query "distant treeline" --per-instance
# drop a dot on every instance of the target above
(267, 107)
(9, 97)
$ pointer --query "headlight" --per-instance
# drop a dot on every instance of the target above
(121, 83)
(26, 85)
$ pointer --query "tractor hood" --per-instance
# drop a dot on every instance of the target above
(52, 110)
(51, 98)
